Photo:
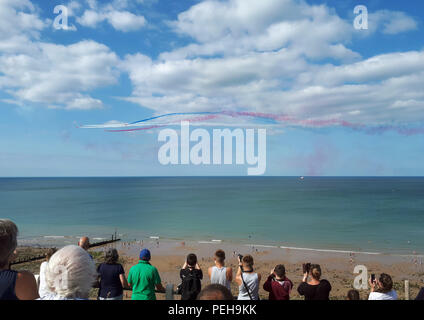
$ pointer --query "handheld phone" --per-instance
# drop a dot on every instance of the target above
(372, 277)
(306, 267)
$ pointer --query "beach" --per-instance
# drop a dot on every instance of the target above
(337, 267)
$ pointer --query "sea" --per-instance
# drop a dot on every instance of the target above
(364, 214)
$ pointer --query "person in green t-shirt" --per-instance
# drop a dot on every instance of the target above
(144, 278)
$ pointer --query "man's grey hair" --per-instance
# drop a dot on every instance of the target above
(71, 273)
(8, 240)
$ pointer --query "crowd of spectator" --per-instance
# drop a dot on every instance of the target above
(70, 273)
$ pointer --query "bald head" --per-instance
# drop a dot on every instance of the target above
(215, 292)
(84, 243)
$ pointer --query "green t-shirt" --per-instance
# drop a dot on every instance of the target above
(143, 277)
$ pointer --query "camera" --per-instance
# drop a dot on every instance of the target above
(240, 256)
(306, 267)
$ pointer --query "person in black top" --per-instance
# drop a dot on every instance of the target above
(112, 277)
(190, 274)
(315, 289)
(14, 285)
(420, 295)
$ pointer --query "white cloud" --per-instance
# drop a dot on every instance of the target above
(391, 22)
(125, 21)
(73, 7)
(92, 4)
(90, 18)
(114, 14)
(56, 76)
(377, 68)
(241, 26)
(84, 103)
(17, 16)
(266, 56)
(19, 23)
(59, 75)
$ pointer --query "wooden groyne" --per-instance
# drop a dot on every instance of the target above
(102, 243)
(29, 259)
(43, 256)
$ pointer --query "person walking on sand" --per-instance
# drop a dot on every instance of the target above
(219, 273)
(14, 285)
(143, 278)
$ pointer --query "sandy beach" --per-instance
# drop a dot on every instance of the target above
(169, 255)
(337, 267)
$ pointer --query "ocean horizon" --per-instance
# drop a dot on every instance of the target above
(372, 214)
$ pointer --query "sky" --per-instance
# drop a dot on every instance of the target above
(354, 97)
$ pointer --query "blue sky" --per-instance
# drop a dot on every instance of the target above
(128, 60)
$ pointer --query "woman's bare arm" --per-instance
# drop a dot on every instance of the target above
(229, 274)
(124, 281)
(26, 286)
(238, 279)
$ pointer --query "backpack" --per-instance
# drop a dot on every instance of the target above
(190, 286)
